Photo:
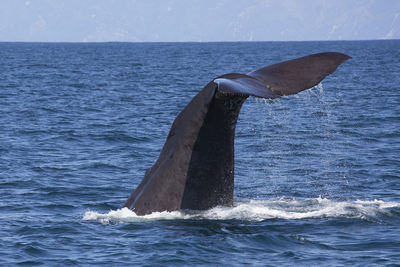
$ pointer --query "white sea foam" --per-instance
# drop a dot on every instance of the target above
(258, 210)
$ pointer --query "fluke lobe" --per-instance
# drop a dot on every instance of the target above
(195, 168)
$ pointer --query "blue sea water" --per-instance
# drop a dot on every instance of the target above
(317, 177)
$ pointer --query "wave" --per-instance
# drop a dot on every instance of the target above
(259, 210)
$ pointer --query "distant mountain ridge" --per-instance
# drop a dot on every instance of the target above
(198, 20)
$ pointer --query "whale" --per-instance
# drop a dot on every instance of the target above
(195, 168)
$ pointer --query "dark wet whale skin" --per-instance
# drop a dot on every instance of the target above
(195, 169)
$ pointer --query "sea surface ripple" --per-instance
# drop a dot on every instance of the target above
(316, 174)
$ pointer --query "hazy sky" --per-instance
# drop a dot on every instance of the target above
(198, 20)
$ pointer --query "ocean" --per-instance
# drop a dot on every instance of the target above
(317, 174)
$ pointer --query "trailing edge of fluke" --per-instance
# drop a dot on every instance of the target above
(195, 169)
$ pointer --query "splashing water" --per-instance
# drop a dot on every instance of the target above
(259, 210)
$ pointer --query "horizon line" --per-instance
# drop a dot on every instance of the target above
(199, 42)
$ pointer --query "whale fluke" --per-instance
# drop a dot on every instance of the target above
(195, 169)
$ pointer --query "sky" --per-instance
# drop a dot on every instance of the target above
(197, 20)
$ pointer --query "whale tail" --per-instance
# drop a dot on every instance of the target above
(195, 169)
(285, 78)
